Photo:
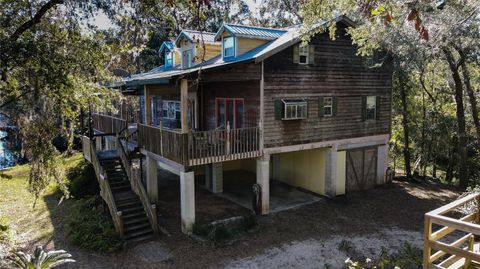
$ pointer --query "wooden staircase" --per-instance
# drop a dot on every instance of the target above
(136, 226)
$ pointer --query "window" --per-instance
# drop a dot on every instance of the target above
(294, 109)
(169, 59)
(228, 47)
(371, 108)
(230, 111)
(187, 56)
(327, 106)
(171, 110)
(303, 54)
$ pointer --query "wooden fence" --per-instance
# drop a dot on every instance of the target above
(108, 124)
(454, 237)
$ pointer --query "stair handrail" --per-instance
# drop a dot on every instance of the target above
(137, 186)
(105, 191)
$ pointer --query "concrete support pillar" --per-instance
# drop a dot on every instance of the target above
(208, 176)
(382, 163)
(187, 201)
(331, 172)
(263, 179)
(152, 180)
(217, 177)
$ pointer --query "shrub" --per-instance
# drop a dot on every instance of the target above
(219, 233)
(81, 180)
(88, 228)
(41, 259)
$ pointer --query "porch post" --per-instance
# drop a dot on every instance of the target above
(187, 201)
(152, 180)
(331, 172)
(184, 104)
(382, 163)
(98, 142)
(263, 179)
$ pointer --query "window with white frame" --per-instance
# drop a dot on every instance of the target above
(169, 59)
(171, 110)
(328, 106)
(371, 109)
(294, 109)
(228, 46)
(303, 54)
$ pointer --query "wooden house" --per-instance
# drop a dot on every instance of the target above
(310, 115)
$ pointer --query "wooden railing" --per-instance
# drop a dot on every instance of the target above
(223, 145)
(200, 147)
(164, 142)
(105, 190)
(460, 221)
(108, 124)
(134, 177)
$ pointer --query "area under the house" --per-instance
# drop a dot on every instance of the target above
(237, 187)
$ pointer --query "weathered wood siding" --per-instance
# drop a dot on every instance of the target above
(249, 90)
(238, 72)
(337, 72)
(247, 44)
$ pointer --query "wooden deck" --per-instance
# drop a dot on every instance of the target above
(452, 231)
(187, 149)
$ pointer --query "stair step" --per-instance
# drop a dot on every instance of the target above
(135, 221)
(138, 234)
(130, 215)
(139, 226)
(121, 188)
(127, 207)
(132, 209)
(118, 182)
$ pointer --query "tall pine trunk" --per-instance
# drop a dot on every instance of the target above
(462, 135)
(472, 98)
(406, 138)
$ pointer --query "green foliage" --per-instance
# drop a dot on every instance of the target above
(220, 233)
(345, 246)
(88, 228)
(40, 259)
(81, 180)
(407, 257)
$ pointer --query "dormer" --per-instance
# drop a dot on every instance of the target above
(191, 45)
(239, 39)
(170, 54)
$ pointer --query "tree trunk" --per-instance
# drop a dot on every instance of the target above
(472, 98)
(406, 138)
(462, 135)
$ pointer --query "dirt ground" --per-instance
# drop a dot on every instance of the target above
(387, 214)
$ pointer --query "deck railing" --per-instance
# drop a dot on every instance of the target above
(188, 149)
(108, 124)
(456, 226)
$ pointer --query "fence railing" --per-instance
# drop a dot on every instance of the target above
(108, 124)
(200, 147)
(223, 145)
(456, 227)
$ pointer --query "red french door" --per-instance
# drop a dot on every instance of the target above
(229, 110)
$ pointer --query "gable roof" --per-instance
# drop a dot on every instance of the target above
(168, 45)
(193, 36)
(249, 32)
(289, 37)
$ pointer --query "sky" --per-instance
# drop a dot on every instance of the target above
(103, 22)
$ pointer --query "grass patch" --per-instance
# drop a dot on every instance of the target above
(88, 228)
(5, 232)
(221, 232)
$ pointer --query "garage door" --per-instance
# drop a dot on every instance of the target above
(361, 169)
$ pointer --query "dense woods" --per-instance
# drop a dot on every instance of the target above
(54, 59)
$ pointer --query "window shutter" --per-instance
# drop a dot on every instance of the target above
(377, 108)
(364, 108)
(311, 54)
(278, 109)
(320, 107)
(296, 54)
(334, 106)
